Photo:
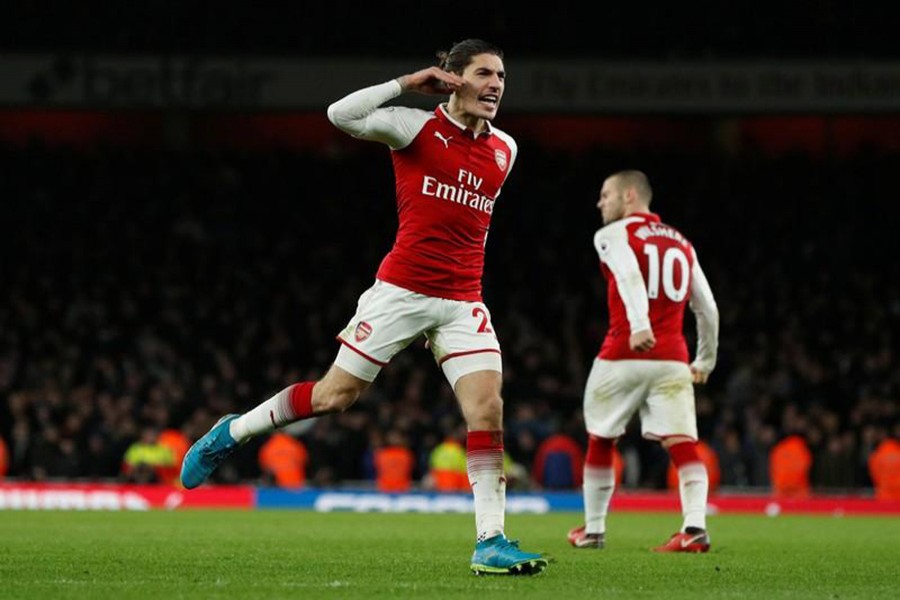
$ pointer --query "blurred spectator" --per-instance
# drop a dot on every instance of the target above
(68, 461)
(558, 463)
(394, 463)
(733, 459)
(789, 465)
(760, 439)
(43, 455)
(447, 463)
(282, 460)
(101, 458)
(21, 448)
(834, 463)
(144, 457)
(178, 443)
(884, 467)
(4, 458)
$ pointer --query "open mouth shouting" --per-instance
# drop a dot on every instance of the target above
(489, 102)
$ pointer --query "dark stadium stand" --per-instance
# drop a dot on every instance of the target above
(161, 268)
(147, 287)
(658, 31)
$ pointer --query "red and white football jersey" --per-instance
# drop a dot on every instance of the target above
(652, 274)
(447, 182)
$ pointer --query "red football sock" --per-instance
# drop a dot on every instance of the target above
(599, 452)
(301, 399)
(684, 453)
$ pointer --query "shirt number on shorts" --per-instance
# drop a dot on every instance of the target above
(484, 326)
(670, 257)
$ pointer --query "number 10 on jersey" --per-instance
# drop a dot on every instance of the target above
(666, 275)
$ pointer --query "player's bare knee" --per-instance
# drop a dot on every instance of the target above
(332, 396)
(340, 400)
(494, 405)
(484, 412)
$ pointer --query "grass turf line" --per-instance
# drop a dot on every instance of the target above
(291, 554)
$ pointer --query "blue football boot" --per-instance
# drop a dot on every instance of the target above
(501, 556)
(207, 453)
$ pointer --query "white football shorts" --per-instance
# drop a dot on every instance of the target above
(388, 318)
(661, 390)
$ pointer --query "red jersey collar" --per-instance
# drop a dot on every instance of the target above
(442, 114)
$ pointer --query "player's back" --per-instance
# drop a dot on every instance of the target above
(665, 259)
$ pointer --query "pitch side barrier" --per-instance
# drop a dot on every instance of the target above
(545, 502)
(109, 496)
(103, 496)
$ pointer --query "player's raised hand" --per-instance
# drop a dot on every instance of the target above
(642, 341)
(432, 80)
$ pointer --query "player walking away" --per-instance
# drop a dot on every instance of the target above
(643, 366)
(449, 166)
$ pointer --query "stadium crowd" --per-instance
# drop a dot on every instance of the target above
(148, 290)
(697, 30)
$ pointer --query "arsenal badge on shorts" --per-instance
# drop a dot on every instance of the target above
(363, 330)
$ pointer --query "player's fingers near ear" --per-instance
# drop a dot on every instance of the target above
(431, 74)
(451, 80)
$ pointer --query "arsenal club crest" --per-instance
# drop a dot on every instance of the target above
(363, 331)
(500, 157)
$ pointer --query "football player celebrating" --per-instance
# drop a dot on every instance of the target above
(449, 165)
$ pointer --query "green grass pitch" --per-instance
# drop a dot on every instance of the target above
(296, 554)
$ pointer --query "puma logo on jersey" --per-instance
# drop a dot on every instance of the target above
(446, 140)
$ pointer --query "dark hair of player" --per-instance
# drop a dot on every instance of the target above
(460, 55)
